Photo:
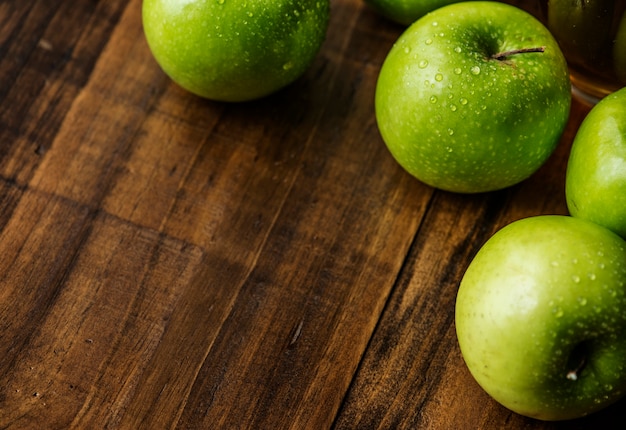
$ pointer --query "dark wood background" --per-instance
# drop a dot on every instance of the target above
(171, 262)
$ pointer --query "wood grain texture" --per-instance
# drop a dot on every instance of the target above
(172, 262)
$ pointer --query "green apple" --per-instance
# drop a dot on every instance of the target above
(473, 97)
(595, 182)
(235, 50)
(405, 12)
(541, 317)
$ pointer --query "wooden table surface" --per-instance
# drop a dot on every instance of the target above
(172, 262)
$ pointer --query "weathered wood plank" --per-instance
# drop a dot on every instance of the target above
(88, 323)
(317, 275)
(289, 200)
(47, 53)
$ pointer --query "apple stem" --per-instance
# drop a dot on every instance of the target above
(503, 55)
(572, 375)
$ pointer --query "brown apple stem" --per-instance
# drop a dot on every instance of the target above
(572, 375)
(505, 54)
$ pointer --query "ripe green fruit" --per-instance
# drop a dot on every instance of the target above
(405, 12)
(465, 104)
(595, 183)
(541, 317)
(235, 50)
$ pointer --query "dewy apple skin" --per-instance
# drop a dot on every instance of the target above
(473, 97)
(595, 182)
(235, 50)
(541, 317)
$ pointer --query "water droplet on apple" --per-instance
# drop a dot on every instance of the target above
(458, 49)
(221, 1)
(453, 108)
(457, 71)
(450, 132)
(407, 49)
(582, 301)
(448, 149)
(428, 41)
(463, 101)
(287, 65)
(423, 64)
(439, 77)
(433, 99)
(576, 278)
(558, 312)
(475, 70)
(592, 276)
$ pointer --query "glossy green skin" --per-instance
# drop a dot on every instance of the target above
(540, 295)
(406, 12)
(235, 50)
(595, 182)
(459, 120)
